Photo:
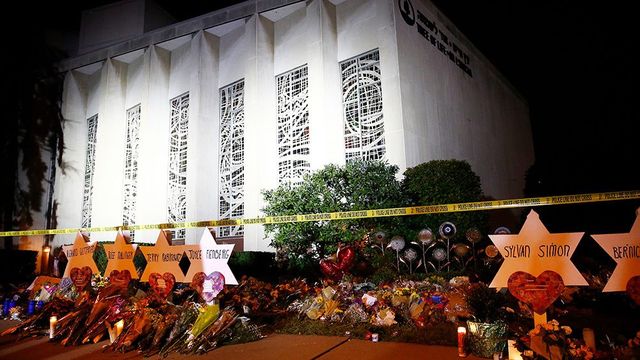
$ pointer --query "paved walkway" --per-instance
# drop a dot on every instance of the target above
(275, 346)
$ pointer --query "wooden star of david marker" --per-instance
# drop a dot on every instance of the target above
(120, 256)
(80, 254)
(208, 257)
(625, 250)
(162, 258)
(535, 250)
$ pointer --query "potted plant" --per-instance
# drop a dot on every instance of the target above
(487, 333)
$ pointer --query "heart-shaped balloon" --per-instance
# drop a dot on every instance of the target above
(162, 284)
(330, 269)
(346, 257)
(538, 292)
(120, 278)
(335, 269)
(81, 277)
(633, 289)
(212, 284)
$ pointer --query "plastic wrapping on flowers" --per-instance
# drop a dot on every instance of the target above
(485, 339)
(208, 314)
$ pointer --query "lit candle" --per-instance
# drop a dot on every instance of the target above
(462, 333)
(514, 354)
(589, 338)
(52, 326)
(119, 326)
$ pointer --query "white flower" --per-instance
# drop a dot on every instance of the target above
(567, 330)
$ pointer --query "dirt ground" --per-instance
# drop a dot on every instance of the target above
(272, 347)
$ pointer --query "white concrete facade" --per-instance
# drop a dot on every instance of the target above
(432, 109)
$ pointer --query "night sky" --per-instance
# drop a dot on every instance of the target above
(573, 61)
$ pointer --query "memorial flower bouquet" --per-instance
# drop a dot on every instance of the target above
(553, 341)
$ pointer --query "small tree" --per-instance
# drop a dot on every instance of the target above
(444, 182)
(359, 185)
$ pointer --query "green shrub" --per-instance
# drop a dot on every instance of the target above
(363, 185)
(359, 185)
(444, 182)
(261, 265)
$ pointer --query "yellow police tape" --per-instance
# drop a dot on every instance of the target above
(359, 214)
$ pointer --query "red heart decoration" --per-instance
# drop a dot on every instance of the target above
(81, 277)
(633, 289)
(330, 269)
(538, 292)
(162, 284)
(346, 257)
(120, 278)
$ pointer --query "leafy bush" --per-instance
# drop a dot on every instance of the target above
(363, 185)
(359, 185)
(254, 263)
(444, 182)
(486, 304)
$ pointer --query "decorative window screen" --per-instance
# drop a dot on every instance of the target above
(131, 167)
(362, 106)
(293, 125)
(231, 156)
(177, 201)
(89, 168)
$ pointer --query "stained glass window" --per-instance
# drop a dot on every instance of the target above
(362, 107)
(293, 125)
(231, 196)
(131, 167)
(89, 168)
(177, 201)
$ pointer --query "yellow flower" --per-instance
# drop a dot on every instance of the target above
(567, 330)
(414, 297)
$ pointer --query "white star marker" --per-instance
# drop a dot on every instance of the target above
(534, 250)
(625, 250)
(208, 257)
